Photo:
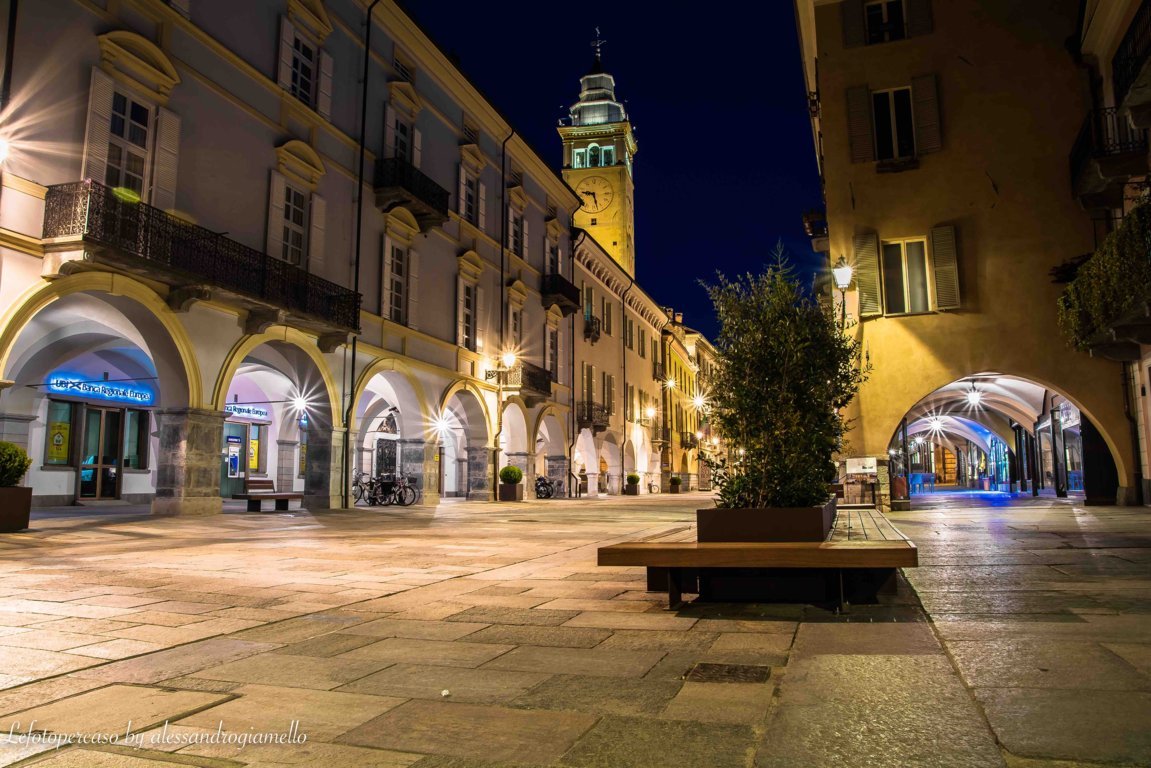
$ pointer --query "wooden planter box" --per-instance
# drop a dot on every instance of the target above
(673, 488)
(15, 508)
(772, 524)
(511, 492)
(631, 490)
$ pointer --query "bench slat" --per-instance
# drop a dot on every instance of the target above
(826, 554)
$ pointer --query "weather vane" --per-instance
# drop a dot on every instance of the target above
(597, 43)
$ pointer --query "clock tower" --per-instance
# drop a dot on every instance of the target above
(599, 146)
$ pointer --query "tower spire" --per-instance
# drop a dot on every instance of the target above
(597, 43)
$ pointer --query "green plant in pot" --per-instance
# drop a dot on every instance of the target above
(510, 488)
(785, 369)
(631, 488)
(674, 483)
(15, 502)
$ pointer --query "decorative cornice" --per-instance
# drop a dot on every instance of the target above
(300, 163)
(136, 62)
(311, 16)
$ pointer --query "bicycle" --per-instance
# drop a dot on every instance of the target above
(360, 486)
(385, 490)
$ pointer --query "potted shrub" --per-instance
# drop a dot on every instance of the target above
(15, 502)
(673, 483)
(785, 369)
(632, 486)
(510, 487)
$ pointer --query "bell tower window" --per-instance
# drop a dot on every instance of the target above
(608, 155)
(593, 156)
(579, 158)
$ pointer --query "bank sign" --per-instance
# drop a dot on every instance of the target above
(252, 412)
(111, 391)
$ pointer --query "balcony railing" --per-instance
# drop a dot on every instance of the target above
(557, 290)
(398, 182)
(137, 236)
(529, 379)
(657, 372)
(688, 440)
(592, 415)
(1107, 152)
(1132, 52)
(591, 329)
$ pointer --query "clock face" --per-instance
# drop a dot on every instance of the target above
(595, 193)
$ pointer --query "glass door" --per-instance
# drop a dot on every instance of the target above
(100, 457)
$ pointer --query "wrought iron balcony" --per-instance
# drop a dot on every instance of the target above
(591, 329)
(660, 435)
(591, 415)
(657, 372)
(1127, 65)
(688, 440)
(557, 290)
(399, 183)
(1106, 154)
(144, 240)
(529, 379)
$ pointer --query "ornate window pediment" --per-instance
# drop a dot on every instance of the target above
(473, 158)
(137, 63)
(471, 266)
(310, 16)
(300, 163)
(517, 294)
(401, 226)
(404, 99)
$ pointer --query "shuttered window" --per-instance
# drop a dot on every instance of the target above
(894, 126)
(905, 277)
(884, 21)
(866, 249)
(945, 265)
(872, 22)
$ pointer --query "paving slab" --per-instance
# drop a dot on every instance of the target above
(560, 637)
(1029, 662)
(175, 662)
(577, 661)
(736, 703)
(423, 681)
(601, 695)
(451, 654)
(854, 638)
(464, 730)
(293, 671)
(416, 630)
(625, 742)
(111, 710)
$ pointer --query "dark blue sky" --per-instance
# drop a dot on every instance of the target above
(725, 165)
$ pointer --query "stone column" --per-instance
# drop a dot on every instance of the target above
(190, 461)
(14, 429)
(883, 484)
(479, 473)
(418, 459)
(286, 465)
(592, 484)
(322, 464)
(558, 471)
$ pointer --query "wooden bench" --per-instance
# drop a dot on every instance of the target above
(862, 542)
(257, 489)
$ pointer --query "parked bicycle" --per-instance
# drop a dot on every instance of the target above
(545, 488)
(360, 486)
(385, 490)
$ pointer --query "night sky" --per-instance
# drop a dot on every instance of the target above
(725, 166)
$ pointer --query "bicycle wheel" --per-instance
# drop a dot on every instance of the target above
(358, 492)
(406, 496)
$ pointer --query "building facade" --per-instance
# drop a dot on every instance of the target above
(224, 255)
(945, 180)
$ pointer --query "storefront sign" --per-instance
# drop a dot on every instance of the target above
(59, 436)
(1068, 415)
(861, 466)
(252, 412)
(112, 391)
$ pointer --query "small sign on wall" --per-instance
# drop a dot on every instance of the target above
(865, 465)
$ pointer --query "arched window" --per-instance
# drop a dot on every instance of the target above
(593, 156)
(608, 156)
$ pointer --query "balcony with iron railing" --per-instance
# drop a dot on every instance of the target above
(658, 372)
(688, 440)
(592, 415)
(1107, 153)
(399, 183)
(530, 379)
(120, 232)
(557, 290)
(1130, 74)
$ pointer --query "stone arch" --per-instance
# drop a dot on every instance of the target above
(611, 459)
(407, 388)
(514, 446)
(462, 421)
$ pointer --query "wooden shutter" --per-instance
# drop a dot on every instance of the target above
(317, 226)
(925, 104)
(867, 274)
(99, 127)
(275, 239)
(860, 133)
(511, 226)
(481, 319)
(324, 91)
(413, 290)
(919, 21)
(945, 263)
(417, 146)
(167, 159)
(524, 239)
(854, 30)
(459, 311)
(287, 41)
(386, 290)
(483, 203)
(389, 131)
(462, 194)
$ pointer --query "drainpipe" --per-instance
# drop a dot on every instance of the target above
(574, 420)
(1128, 411)
(503, 312)
(627, 402)
(349, 393)
(9, 55)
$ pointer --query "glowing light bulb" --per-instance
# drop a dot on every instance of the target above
(974, 397)
(698, 400)
(649, 412)
(508, 359)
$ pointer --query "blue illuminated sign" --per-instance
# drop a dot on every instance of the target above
(247, 411)
(112, 391)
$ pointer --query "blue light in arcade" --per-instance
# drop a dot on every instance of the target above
(78, 385)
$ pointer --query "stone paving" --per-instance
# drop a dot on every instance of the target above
(482, 635)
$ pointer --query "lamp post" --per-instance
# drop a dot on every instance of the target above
(506, 364)
(842, 272)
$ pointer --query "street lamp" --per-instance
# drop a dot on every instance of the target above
(507, 363)
(842, 272)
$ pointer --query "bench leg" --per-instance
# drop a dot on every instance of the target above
(656, 578)
(281, 505)
(674, 587)
(253, 505)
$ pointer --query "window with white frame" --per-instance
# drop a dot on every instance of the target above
(904, 267)
(608, 156)
(607, 313)
(642, 342)
(403, 139)
(468, 309)
(470, 201)
(305, 60)
(885, 21)
(398, 287)
(553, 353)
(517, 326)
(894, 124)
(579, 158)
(295, 226)
(516, 232)
(553, 267)
(128, 140)
(593, 156)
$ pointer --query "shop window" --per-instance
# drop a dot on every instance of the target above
(58, 440)
(137, 428)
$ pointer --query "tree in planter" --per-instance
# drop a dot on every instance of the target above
(632, 487)
(785, 370)
(15, 502)
(511, 475)
(510, 489)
